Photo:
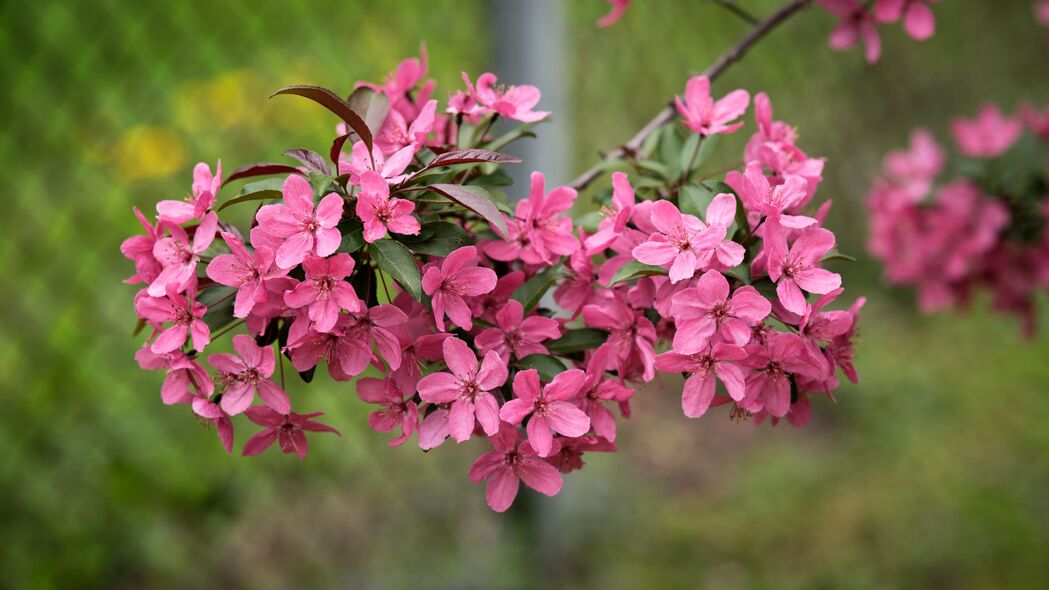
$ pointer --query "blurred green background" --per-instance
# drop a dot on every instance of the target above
(934, 471)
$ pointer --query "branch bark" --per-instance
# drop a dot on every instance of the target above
(666, 115)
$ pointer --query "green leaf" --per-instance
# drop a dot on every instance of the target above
(766, 287)
(534, 288)
(547, 366)
(510, 137)
(437, 238)
(352, 236)
(219, 301)
(694, 199)
(741, 273)
(685, 157)
(837, 256)
(670, 144)
(658, 168)
(399, 263)
(577, 341)
(705, 151)
(635, 270)
(260, 190)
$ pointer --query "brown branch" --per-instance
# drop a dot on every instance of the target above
(716, 69)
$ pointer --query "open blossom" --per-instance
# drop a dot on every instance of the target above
(380, 213)
(511, 102)
(457, 276)
(705, 310)
(772, 364)
(598, 390)
(517, 335)
(246, 271)
(205, 188)
(467, 387)
(771, 207)
(139, 249)
(347, 348)
(706, 116)
(549, 408)
(324, 292)
(800, 270)
(509, 463)
(577, 288)
(539, 232)
(290, 430)
(713, 362)
(397, 408)
(179, 256)
(390, 168)
(989, 135)
(677, 241)
(300, 229)
(210, 411)
(915, 170)
(248, 374)
(631, 337)
(397, 134)
(855, 23)
(184, 316)
(181, 374)
(618, 9)
(616, 218)
(917, 17)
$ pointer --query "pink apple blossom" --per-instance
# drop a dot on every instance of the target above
(577, 288)
(181, 373)
(768, 385)
(713, 362)
(324, 292)
(539, 232)
(300, 229)
(210, 411)
(631, 337)
(139, 249)
(616, 218)
(391, 168)
(467, 387)
(246, 271)
(917, 17)
(550, 409)
(205, 188)
(510, 463)
(457, 276)
(989, 135)
(380, 213)
(676, 242)
(511, 102)
(397, 134)
(517, 335)
(248, 374)
(800, 270)
(398, 409)
(179, 256)
(706, 116)
(856, 22)
(290, 430)
(705, 310)
(598, 390)
(915, 170)
(184, 316)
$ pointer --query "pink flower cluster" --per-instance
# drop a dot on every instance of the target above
(981, 226)
(394, 268)
(858, 22)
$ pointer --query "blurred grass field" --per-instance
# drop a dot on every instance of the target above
(933, 471)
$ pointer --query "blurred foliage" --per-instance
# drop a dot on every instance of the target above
(932, 472)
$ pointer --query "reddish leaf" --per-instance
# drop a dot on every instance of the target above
(331, 101)
(372, 106)
(310, 159)
(475, 199)
(260, 169)
(336, 148)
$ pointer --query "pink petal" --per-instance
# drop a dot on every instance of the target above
(273, 396)
(502, 489)
(565, 385)
(460, 359)
(515, 410)
(567, 419)
(540, 476)
(298, 195)
(540, 436)
(486, 408)
(461, 420)
(697, 394)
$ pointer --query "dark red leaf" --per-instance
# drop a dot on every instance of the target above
(475, 199)
(331, 101)
(336, 148)
(372, 106)
(310, 159)
(260, 169)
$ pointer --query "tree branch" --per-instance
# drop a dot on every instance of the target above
(667, 114)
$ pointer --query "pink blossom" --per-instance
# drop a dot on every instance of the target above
(713, 362)
(800, 270)
(618, 8)
(577, 287)
(324, 292)
(182, 372)
(205, 188)
(392, 168)
(856, 22)
(348, 347)
(706, 116)
(301, 230)
(772, 206)
(467, 388)
(539, 233)
(458, 276)
(510, 463)
(597, 390)
(434, 428)
(550, 409)
(616, 218)
(917, 17)
(398, 409)
(511, 102)
(381, 213)
(631, 337)
(182, 313)
(179, 256)
(1041, 12)
(989, 135)
(139, 249)
(487, 305)
(210, 411)
(570, 457)
(396, 134)
(289, 429)
(1037, 121)
(915, 170)
(516, 335)
(676, 242)
(248, 374)
(706, 310)
(247, 272)
(768, 385)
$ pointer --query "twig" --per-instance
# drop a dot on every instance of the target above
(667, 114)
